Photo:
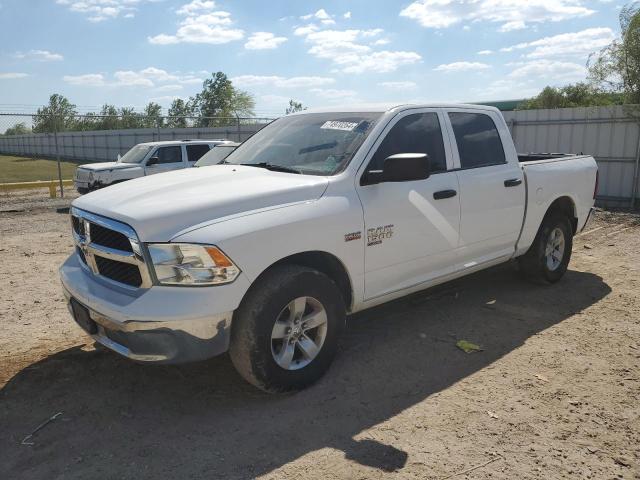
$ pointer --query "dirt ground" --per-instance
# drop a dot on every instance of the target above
(554, 393)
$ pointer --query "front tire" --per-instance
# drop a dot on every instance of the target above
(285, 333)
(547, 259)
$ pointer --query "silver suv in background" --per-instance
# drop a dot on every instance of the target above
(143, 159)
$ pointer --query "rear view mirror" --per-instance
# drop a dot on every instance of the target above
(401, 167)
(152, 161)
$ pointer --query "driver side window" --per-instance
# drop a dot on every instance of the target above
(168, 154)
(416, 133)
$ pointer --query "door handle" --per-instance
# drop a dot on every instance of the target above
(512, 182)
(442, 194)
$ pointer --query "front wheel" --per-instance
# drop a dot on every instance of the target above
(286, 331)
(548, 258)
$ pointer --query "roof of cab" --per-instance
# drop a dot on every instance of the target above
(187, 141)
(393, 107)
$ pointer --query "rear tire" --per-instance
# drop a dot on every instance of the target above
(547, 259)
(285, 333)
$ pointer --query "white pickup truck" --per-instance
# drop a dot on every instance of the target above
(318, 215)
(143, 159)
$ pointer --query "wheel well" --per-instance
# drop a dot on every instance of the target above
(326, 263)
(566, 206)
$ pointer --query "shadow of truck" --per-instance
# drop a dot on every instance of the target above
(202, 420)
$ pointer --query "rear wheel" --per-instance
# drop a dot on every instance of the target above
(548, 258)
(285, 333)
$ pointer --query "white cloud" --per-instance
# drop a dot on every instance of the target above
(88, 80)
(41, 55)
(202, 24)
(101, 10)
(147, 77)
(281, 82)
(548, 69)
(511, 14)
(263, 41)
(305, 30)
(347, 50)
(129, 78)
(347, 15)
(579, 44)
(485, 52)
(196, 7)
(12, 75)
(169, 88)
(322, 16)
(461, 67)
(335, 94)
(400, 85)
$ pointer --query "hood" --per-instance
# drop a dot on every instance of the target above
(108, 166)
(160, 206)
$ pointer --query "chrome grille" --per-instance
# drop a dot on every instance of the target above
(82, 175)
(109, 249)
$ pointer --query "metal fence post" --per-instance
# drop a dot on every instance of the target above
(55, 137)
(636, 172)
(238, 127)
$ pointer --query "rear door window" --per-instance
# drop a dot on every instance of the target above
(169, 154)
(478, 140)
(194, 152)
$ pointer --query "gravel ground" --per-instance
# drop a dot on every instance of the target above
(554, 393)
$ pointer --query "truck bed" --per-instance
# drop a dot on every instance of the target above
(535, 157)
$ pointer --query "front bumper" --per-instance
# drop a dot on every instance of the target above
(158, 324)
(81, 187)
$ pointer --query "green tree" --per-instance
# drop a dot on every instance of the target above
(178, 110)
(129, 118)
(17, 129)
(294, 107)
(616, 68)
(577, 95)
(219, 98)
(152, 116)
(58, 115)
(110, 118)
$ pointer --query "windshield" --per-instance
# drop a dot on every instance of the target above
(136, 154)
(311, 143)
(215, 155)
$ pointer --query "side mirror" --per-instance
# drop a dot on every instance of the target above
(152, 161)
(401, 167)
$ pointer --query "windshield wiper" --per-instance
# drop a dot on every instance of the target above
(273, 167)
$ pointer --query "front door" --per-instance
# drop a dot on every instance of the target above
(411, 228)
(168, 158)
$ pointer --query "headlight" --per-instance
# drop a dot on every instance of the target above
(189, 264)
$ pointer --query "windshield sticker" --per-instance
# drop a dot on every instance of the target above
(337, 125)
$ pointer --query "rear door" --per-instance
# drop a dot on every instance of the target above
(492, 190)
(411, 228)
(195, 151)
(169, 158)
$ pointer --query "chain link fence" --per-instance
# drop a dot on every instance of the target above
(101, 138)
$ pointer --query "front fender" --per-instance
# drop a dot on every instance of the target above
(255, 242)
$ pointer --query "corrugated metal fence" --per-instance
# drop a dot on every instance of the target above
(105, 145)
(604, 132)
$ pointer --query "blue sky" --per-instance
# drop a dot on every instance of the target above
(325, 52)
